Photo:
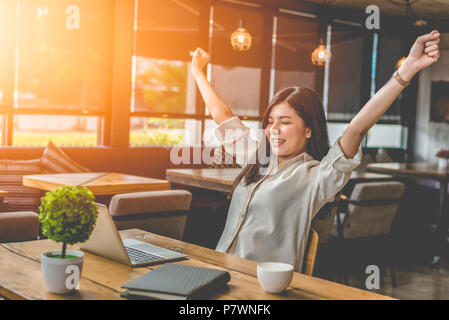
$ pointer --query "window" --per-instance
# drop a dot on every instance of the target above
(163, 89)
(296, 38)
(391, 134)
(335, 130)
(7, 40)
(62, 63)
(163, 86)
(387, 135)
(347, 77)
(164, 131)
(162, 82)
(236, 75)
(37, 130)
(345, 72)
(57, 73)
(390, 51)
(59, 82)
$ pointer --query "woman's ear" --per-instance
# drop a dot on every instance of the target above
(308, 133)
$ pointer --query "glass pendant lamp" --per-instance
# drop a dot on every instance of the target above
(241, 39)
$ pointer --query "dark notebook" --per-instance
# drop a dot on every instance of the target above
(175, 281)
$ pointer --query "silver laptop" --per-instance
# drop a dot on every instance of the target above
(105, 241)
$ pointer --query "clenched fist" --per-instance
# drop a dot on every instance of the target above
(200, 58)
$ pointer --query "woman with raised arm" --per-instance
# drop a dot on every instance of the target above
(274, 203)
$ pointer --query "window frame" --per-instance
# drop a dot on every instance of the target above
(8, 111)
(113, 127)
(206, 18)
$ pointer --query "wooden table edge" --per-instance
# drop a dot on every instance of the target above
(409, 173)
(358, 294)
(28, 181)
(158, 185)
(370, 295)
(171, 172)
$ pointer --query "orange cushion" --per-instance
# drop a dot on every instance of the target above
(54, 160)
(20, 198)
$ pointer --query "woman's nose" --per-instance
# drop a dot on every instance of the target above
(274, 130)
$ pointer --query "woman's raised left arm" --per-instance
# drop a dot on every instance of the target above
(423, 53)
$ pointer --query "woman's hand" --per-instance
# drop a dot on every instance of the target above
(200, 58)
(423, 53)
(219, 111)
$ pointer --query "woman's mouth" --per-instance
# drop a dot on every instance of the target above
(277, 142)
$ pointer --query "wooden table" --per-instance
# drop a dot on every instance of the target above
(211, 179)
(100, 183)
(422, 170)
(21, 276)
(223, 179)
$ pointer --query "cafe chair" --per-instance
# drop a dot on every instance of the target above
(162, 212)
(311, 252)
(322, 225)
(369, 212)
(18, 226)
(323, 221)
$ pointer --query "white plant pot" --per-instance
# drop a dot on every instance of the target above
(442, 163)
(61, 275)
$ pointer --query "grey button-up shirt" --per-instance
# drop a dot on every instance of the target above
(270, 220)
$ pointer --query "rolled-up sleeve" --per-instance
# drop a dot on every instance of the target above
(332, 174)
(336, 159)
(236, 139)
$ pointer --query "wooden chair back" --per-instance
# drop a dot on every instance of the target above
(310, 253)
(323, 221)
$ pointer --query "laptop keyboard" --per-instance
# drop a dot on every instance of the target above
(138, 256)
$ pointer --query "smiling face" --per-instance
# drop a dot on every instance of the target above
(287, 132)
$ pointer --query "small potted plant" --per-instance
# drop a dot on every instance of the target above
(67, 215)
(443, 158)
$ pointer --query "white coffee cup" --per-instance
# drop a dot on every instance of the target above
(274, 277)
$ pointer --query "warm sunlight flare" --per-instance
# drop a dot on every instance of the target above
(243, 151)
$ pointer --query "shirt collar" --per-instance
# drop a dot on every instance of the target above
(274, 166)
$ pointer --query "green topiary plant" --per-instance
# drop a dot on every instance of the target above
(68, 215)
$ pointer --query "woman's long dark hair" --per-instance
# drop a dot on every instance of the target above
(308, 106)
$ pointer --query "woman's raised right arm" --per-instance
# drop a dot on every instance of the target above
(218, 109)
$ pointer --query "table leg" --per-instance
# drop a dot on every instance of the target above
(443, 224)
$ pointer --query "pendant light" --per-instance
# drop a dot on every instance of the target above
(321, 56)
(241, 39)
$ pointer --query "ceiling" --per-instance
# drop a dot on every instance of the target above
(430, 9)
